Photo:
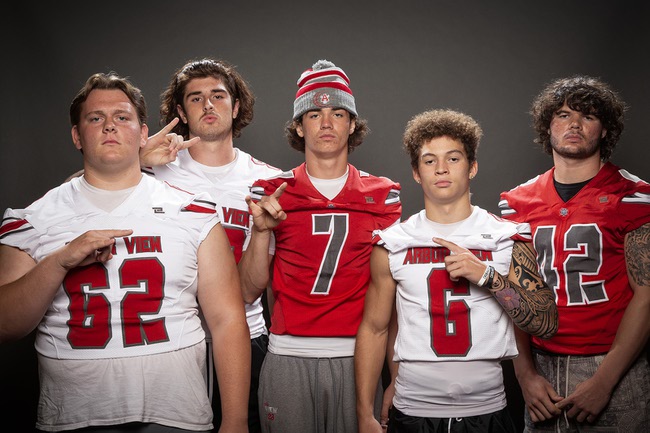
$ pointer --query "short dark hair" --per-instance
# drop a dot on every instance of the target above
(207, 67)
(440, 123)
(108, 81)
(587, 95)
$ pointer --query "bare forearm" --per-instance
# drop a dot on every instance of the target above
(368, 361)
(24, 301)
(254, 270)
(523, 363)
(631, 339)
(231, 350)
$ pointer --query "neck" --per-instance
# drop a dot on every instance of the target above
(326, 168)
(112, 180)
(568, 170)
(447, 213)
(213, 153)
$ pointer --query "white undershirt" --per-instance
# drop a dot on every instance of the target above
(217, 174)
(330, 188)
(104, 199)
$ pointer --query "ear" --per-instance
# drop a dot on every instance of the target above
(76, 139)
(181, 113)
(416, 175)
(299, 130)
(353, 125)
(603, 133)
(144, 134)
(473, 169)
(235, 109)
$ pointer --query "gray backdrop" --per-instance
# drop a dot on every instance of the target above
(488, 59)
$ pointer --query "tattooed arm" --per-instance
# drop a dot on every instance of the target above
(592, 395)
(524, 295)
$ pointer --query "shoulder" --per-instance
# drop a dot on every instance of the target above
(164, 195)
(258, 169)
(531, 193)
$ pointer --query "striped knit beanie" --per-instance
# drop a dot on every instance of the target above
(323, 85)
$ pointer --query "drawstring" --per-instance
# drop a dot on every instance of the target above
(449, 424)
(566, 388)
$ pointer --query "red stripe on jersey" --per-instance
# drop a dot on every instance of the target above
(12, 226)
(198, 209)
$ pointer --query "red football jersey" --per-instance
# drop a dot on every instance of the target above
(321, 268)
(580, 252)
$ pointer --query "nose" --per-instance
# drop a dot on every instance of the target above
(576, 122)
(441, 168)
(326, 122)
(207, 106)
(109, 126)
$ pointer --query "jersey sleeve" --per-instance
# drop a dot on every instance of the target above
(16, 231)
(634, 205)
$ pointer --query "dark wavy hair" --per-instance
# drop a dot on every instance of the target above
(108, 81)
(237, 87)
(439, 123)
(585, 94)
(354, 140)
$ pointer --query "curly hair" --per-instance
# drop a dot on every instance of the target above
(354, 140)
(109, 81)
(439, 123)
(237, 88)
(587, 95)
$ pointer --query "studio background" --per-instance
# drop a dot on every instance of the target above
(487, 59)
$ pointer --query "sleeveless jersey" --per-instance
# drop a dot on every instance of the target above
(444, 320)
(143, 300)
(229, 194)
(580, 252)
(321, 268)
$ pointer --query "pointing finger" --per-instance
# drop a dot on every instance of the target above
(455, 249)
(278, 192)
(169, 126)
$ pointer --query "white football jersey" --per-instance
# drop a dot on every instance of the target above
(228, 190)
(143, 300)
(444, 320)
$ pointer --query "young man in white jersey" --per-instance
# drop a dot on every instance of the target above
(591, 228)
(459, 277)
(321, 215)
(109, 268)
(214, 104)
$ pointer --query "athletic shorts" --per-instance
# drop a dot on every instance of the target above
(495, 422)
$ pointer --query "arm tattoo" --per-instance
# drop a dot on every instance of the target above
(528, 301)
(637, 255)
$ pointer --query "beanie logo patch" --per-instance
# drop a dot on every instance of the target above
(321, 99)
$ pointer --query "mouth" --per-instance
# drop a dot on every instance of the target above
(443, 183)
(573, 136)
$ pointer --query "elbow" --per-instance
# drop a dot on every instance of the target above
(250, 293)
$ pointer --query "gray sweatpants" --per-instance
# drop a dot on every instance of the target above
(309, 395)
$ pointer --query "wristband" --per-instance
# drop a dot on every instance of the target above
(488, 274)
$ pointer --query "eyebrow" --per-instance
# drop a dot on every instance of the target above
(424, 155)
(102, 112)
(199, 92)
